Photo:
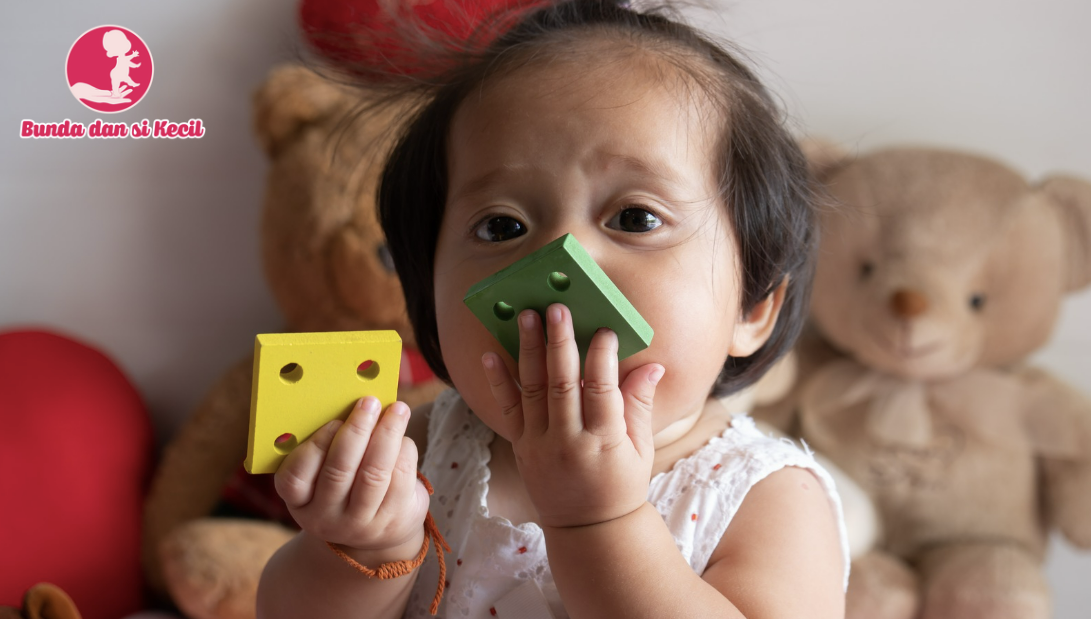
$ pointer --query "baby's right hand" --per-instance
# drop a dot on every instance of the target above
(355, 483)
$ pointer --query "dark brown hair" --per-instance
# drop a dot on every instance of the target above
(763, 176)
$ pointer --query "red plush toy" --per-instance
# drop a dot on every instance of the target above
(76, 454)
(398, 36)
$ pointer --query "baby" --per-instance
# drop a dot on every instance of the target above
(116, 44)
(629, 492)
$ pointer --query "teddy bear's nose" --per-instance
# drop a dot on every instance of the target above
(908, 303)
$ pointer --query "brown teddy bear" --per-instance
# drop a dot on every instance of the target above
(939, 274)
(326, 262)
(43, 601)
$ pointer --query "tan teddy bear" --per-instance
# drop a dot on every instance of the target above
(326, 262)
(939, 274)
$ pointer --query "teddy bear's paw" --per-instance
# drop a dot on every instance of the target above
(983, 581)
(881, 587)
(212, 566)
(1069, 492)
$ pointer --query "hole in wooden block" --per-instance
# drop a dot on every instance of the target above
(503, 311)
(291, 373)
(284, 443)
(368, 370)
(559, 281)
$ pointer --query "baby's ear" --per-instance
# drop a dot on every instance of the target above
(823, 156)
(1072, 197)
(291, 98)
(755, 328)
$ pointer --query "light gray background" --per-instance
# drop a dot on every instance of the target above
(149, 248)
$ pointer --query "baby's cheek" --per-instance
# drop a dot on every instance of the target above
(468, 376)
(666, 408)
(683, 390)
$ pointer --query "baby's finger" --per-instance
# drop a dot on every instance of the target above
(507, 395)
(603, 406)
(377, 468)
(401, 502)
(638, 391)
(532, 372)
(563, 362)
(295, 479)
(339, 470)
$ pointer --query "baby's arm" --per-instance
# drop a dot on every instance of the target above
(779, 558)
(781, 555)
(367, 460)
(306, 579)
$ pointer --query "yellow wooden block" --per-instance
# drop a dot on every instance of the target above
(302, 381)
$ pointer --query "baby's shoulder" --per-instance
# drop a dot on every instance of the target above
(701, 495)
(744, 452)
(712, 482)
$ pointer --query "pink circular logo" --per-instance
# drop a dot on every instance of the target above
(109, 69)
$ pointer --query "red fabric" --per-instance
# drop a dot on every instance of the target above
(369, 32)
(74, 463)
(256, 496)
(414, 369)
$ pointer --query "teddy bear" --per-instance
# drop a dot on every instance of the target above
(46, 600)
(43, 601)
(327, 265)
(939, 274)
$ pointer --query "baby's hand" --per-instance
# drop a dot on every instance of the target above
(584, 451)
(354, 483)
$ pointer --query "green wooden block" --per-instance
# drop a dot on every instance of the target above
(560, 272)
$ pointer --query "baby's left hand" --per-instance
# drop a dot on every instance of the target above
(584, 451)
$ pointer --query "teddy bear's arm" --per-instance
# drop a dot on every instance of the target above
(198, 463)
(1059, 423)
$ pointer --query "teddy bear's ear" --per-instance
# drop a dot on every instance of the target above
(823, 156)
(292, 97)
(1072, 196)
(46, 601)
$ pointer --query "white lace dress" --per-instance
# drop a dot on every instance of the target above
(497, 569)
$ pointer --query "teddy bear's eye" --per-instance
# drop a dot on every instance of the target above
(977, 302)
(385, 258)
(866, 269)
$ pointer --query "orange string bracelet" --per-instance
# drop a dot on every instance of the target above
(394, 569)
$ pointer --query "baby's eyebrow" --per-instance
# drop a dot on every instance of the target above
(654, 170)
(480, 183)
(645, 167)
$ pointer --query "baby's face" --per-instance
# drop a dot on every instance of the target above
(625, 163)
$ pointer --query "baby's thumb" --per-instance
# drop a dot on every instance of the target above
(639, 393)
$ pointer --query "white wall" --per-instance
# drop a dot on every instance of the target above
(149, 249)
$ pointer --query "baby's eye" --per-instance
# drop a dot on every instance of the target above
(634, 219)
(499, 229)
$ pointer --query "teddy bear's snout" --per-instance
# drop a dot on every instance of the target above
(906, 303)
